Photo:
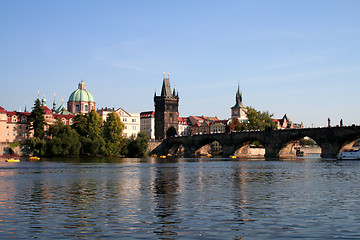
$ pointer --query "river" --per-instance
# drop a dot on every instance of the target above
(150, 198)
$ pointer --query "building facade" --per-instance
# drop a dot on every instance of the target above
(166, 112)
(184, 128)
(147, 123)
(16, 126)
(131, 120)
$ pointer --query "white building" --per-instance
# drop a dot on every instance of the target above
(130, 120)
(184, 128)
(147, 123)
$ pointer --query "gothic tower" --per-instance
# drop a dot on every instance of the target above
(238, 110)
(166, 111)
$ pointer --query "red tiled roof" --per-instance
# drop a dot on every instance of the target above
(147, 114)
(46, 109)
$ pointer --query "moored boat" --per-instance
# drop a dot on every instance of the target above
(349, 155)
(34, 158)
(12, 160)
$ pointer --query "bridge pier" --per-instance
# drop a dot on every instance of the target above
(271, 152)
(329, 150)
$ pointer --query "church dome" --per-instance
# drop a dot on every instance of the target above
(81, 94)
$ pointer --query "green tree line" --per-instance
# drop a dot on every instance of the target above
(88, 135)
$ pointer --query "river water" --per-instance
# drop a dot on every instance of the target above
(151, 198)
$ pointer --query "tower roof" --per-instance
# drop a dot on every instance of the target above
(166, 89)
(238, 103)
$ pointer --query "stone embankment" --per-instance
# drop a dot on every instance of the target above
(6, 149)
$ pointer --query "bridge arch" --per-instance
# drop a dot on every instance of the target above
(171, 132)
(205, 146)
(349, 143)
(294, 146)
(243, 147)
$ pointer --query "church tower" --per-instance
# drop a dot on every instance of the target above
(238, 110)
(166, 111)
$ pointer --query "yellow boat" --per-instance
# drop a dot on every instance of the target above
(34, 158)
(12, 160)
(162, 156)
(233, 156)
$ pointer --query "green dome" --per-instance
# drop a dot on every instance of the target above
(81, 94)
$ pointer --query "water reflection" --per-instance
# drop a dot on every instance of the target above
(165, 186)
(180, 199)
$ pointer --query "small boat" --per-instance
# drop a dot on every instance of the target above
(163, 156)
(209, 155)
(232, 156)
(34, 158)
(12, 160)
(349, 155)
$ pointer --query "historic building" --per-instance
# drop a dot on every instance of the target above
(238, 110)
(286, 123)
(166, 112)
(147, 123)
(81, 100)
(184, 128)
(16, 126)
(131, 120)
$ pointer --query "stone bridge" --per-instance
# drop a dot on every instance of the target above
(332, 140)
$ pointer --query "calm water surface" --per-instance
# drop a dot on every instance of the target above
(180, 199)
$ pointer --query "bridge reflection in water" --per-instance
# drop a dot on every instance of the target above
(331, 140)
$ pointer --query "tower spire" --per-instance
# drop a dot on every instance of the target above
(54, 103)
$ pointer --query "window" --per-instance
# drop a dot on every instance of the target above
(124, 119)
(86, 108)
(77, 107)
(134, 128)
(133, 120)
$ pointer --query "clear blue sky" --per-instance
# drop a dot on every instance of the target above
(301, 57)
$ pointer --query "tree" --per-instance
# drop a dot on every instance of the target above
(38, 146)
(64, 140)
(112, 132)
(89, 127)
(37, 119)
(137, 147)
(258, 120)
(80, 125)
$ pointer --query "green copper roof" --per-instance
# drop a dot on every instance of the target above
(62, 110)
(81, 94)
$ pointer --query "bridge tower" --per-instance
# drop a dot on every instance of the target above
(166, 111)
